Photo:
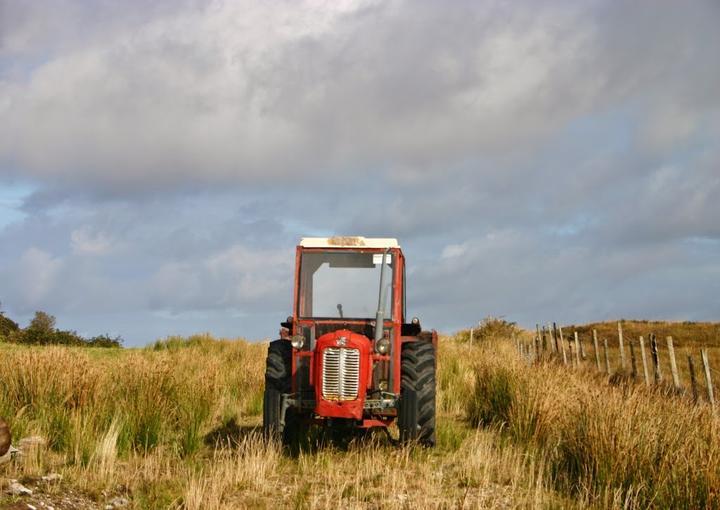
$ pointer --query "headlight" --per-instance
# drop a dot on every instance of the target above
(297, 341)
(382, 346)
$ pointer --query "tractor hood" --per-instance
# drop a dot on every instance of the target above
(341, 374)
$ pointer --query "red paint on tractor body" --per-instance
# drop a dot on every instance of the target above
(337, 408)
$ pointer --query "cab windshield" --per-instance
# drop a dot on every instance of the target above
(338, 284)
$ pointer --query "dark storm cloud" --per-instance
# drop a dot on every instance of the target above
(541, 159)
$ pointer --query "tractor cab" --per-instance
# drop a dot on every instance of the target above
(347, 356)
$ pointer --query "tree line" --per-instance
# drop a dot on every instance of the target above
(42, 331)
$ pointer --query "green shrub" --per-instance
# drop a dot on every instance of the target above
(7, 326)
(489, 328)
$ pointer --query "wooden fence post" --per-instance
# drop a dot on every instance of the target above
(472, 330)
(607, 356)
(655, 357)
(570, 353)
(551, 341)
(644, 361)
(622, 346)
(708, 378)
(555, 337)
(577, 349)
(533, 351)
(544, 339)
(633, 361)
(673, 364)
(693, 378)
(562, 345)
(583, 354)
(597, 350)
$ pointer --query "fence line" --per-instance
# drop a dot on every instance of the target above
(550, 343)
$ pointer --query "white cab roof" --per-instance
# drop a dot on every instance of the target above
(349, 242)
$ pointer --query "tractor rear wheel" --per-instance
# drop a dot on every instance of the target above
(417, 393)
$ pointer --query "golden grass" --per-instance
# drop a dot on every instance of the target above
(176, 425)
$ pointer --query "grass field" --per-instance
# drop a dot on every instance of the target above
(176, 425)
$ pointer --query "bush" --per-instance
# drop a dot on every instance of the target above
(7, 326)
(488, 329)
(104, 341)
(42, 331)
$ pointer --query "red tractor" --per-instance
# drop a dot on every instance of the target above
(348, 359)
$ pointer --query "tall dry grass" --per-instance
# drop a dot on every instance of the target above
(93, 406)
(176, 425)
(612, 446)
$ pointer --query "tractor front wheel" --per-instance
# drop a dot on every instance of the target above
(417, 393)
(278, 373)
(278, 370)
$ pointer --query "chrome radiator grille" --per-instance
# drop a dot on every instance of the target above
(341, 373)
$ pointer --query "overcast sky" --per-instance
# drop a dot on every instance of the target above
(537, 160)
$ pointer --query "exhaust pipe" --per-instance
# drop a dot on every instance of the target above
(380, 315)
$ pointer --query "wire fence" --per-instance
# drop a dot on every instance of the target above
(637, 360)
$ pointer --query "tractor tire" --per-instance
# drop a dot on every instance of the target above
(416, 419)
(278, 373)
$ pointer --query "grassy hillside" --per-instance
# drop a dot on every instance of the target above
(176, 426)
(685, 334)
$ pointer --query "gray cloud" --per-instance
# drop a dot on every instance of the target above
(541, 159)
(240, 92)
